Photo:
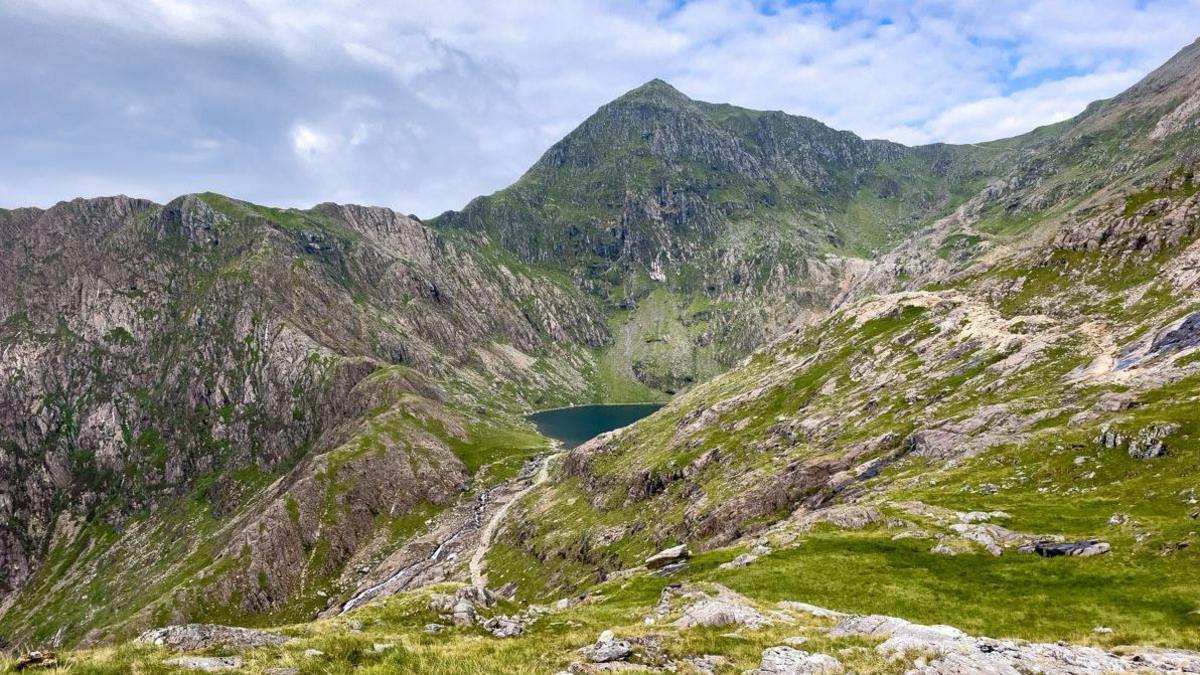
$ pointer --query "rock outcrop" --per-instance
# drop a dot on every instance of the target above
(955, 652)
(788, 661)
(196, 637)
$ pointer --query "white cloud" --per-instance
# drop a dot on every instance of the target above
(425, 104)
(1004, 116)
(307, 142)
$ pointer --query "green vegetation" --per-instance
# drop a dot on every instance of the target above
(1145, 600)
(1187, 187)
(548, 646)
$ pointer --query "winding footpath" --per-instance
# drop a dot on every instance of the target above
(478, 578)
(468, 527)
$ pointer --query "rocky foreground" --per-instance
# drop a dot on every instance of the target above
(693, 628)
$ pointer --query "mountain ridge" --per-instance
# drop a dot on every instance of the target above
(219, 411)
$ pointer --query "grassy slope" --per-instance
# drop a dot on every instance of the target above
(1144, 590)
(548, 647)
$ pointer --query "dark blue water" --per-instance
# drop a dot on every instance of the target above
(575, 426)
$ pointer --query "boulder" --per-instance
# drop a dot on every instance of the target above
(1079, 548)
(1149, 442)
(789, 661)
(36, 659)
(199, 636)
(607, 649)
(504, 626)
(459, 608)
(668, 556)
(846, 516)
(721, 612)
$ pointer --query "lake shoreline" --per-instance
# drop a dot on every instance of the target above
(573, 426)
(528, 413)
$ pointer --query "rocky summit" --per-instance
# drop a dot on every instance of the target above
(914, 396)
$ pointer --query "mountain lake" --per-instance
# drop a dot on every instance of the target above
(577, 425)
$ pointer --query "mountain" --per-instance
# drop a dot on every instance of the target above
(895, 369)
(213, 390)
(1031, 355)
(706, 229)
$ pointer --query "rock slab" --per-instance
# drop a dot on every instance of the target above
(198, 636)
(788, 661)
(207, 663)
(668, 556)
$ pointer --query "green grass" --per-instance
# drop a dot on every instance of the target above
(1135, 201)
(549, 645)
(488, 444)
(1145, 601)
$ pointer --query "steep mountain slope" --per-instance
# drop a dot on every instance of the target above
(1045, 371)
(1070, 171)
(210, 393)
(705, 229)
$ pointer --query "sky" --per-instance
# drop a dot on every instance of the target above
(421, 106)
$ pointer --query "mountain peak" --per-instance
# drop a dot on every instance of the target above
(655, 90)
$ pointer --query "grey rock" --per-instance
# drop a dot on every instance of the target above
(706, 664)
(1187, 334)
(36, 660)
(504, 626)
(459, 608)
(721, 612)
(507, 591)
(1080, 548)
(207, 663)
(602, 668)
(739, 562)
(668, 556)
(607, 649)
(673, 568)
(954, 652)
(1149, 443)
(849, 516)
(198, 636)
(789, 661)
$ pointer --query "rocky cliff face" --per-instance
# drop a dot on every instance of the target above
(154, 355)
(658, 205)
